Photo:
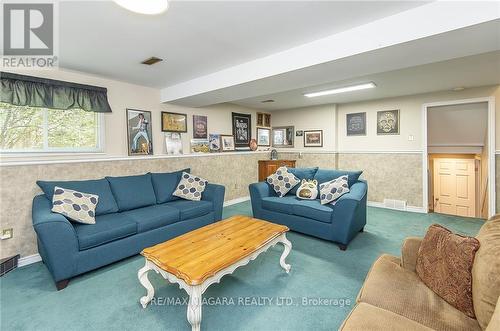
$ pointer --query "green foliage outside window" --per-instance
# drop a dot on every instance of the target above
(25, 128)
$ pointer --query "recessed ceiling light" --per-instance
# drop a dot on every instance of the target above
(458, 88)
(341, 90)
(152, 60)
(148, 7)
(267, 101)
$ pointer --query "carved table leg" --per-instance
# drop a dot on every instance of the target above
(142, 274)
(194, 308)
(288, 247)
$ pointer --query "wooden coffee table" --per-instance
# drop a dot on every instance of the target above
(201, 257)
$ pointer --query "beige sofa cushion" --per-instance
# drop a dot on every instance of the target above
(486, 271)
(495, 319)
(368, 317)
(394, 288)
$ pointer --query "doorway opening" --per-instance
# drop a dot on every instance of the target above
(459, 158)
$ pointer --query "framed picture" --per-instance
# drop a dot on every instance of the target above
(263, 137)
(173, 122)
(214, 142)
(242, 125)
(200, 130)
(173, 143)
(388, 122)
(283, 136)
(356, 124)
(299, 133)
(199, 146)
(139, 136)
(264, 119)
(313, 138)
(227, 143)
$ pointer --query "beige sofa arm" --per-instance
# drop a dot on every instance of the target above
(409, 252)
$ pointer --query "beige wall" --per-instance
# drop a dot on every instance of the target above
(309, 118)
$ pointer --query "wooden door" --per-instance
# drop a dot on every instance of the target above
(455, 187)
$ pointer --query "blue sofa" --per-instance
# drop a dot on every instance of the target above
(338, 223)
(133, 212)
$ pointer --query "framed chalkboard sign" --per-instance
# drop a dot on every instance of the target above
(356, 124)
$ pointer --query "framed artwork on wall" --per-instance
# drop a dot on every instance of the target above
(139, 136)
(214, 142)
(200, 128)
(313, 138)
(173, 143)
(388, 122)
(263, 137)
(283, 136)
(356, 124)
(299, 133)
(264, 119)
(199, 146)
(242, 125)
(173, 122)
(227, 143)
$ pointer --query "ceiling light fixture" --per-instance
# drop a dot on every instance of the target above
(152, 60)
(267, 101)
(147, 7)
(341, 90)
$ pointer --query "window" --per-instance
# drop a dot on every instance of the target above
(30, 129)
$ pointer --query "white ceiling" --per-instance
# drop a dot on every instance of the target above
(197, 38)
(470, 71)
(458, 125)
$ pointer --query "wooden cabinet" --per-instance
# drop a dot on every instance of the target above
(268, 167)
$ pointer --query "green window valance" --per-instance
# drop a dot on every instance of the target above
(20, 90)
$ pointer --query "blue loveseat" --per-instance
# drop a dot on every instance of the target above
(338, 223)
(133, 212)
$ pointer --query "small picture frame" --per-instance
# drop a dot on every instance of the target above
(200, 127)
(199, 146)
(227, 143)
(283, 136)
(299, 133)
(173, 122)
(313, 138)
(173, 143)
(139, 136)
(264, 120)
(356, 124)
(388, 122)
(214, 143)
(263, 137)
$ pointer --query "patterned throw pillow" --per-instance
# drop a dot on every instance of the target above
(77, 206)
(334, 189)
(190, 187)
(282, 181)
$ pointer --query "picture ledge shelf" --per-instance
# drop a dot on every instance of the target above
(4, 163)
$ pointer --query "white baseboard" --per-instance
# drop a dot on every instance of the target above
(411, 209)
(235, 201)
(23, 261)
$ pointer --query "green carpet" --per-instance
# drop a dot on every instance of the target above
(259, 296)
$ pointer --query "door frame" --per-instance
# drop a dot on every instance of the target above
(491, 149)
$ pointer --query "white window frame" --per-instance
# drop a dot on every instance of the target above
(46, 150)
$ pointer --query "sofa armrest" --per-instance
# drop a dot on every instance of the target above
(409, 252)
(215, 194)
(58, 239)
(258, 191)
(356, 192)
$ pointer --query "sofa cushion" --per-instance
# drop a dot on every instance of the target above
(279, 205)
(444, 264)
(165, 183)
(313, 209)
(191, 209)
(100, 187)
(153, 217)
(326, 175)
(190, 187)
(302, 173)
(485, 279)
(132, 192)
(368, 317)
(389, 286)
(332, 190)
(282, 181)
(107, 228)
(77, 206)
